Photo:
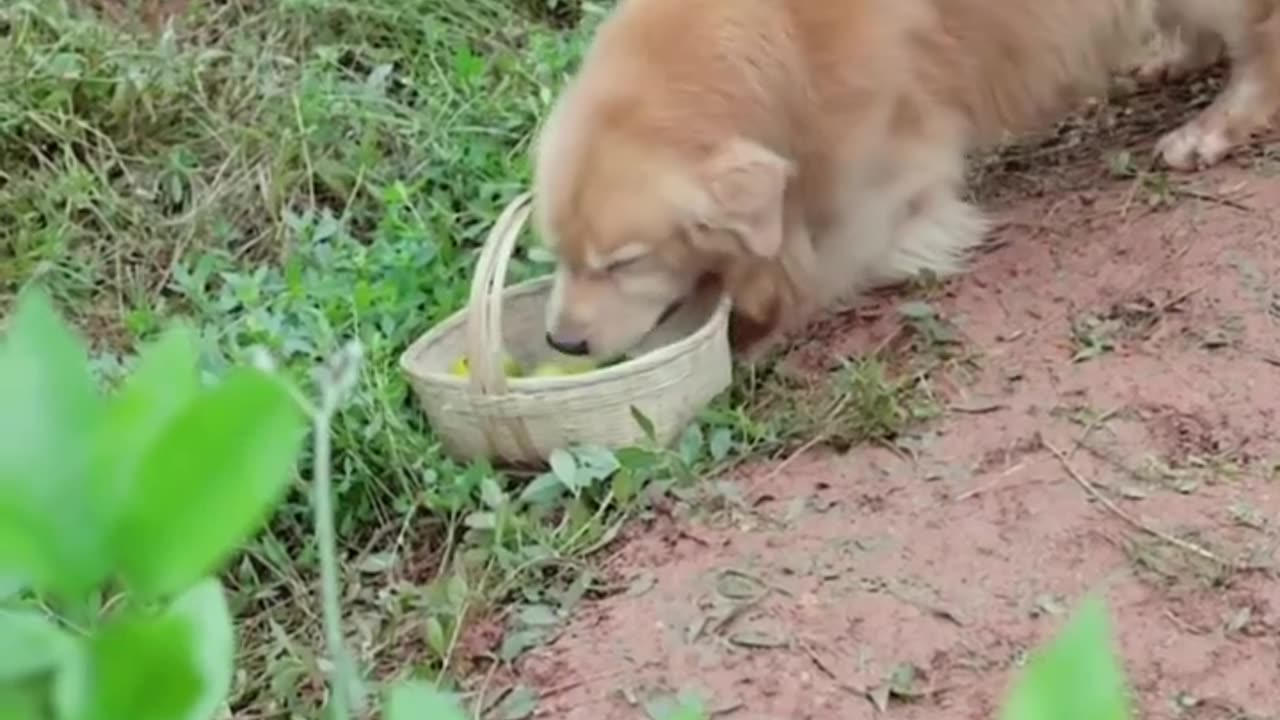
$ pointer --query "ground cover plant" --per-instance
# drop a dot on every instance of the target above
(288, 178)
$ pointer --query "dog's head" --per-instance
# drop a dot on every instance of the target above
(638, 220)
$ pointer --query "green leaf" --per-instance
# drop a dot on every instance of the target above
(142, 669)
(691, 444)
(721, 444)
(646, 425)
(51, 535)
(491, 493)
(624, 486)
(1075, 676)
(22, 701)
(916, 310)
(173, 666)
(164, 382)
(542, 490)
(637, 459)
(10, 587)
(565, 468)
(209, 480)
(455, 591)
(32, 644)
(595, 463)
(538, 616)
(205, 609)
(416, 700)
(436, 639)
(481, 521)
(518, 642)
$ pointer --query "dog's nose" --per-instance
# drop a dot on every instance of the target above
(568, 347)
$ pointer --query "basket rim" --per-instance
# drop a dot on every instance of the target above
(715, 322)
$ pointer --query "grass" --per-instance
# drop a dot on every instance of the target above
(291, 175)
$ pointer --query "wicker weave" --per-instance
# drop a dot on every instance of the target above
(679, 368)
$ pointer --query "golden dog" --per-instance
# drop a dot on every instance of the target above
(801, 151)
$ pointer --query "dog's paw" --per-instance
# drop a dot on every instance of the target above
(1194, 146)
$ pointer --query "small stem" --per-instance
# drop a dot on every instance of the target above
(322, 505)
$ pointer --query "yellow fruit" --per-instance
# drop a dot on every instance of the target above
(462, 368)
(511, 367)
(552, 368)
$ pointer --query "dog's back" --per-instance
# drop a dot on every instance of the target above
(1011, 64)
(679, 66)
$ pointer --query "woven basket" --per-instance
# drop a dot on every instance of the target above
(671, 376)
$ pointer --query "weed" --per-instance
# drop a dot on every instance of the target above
(1093, 336)
(1157, 187)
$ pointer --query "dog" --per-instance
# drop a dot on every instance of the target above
(799, 152)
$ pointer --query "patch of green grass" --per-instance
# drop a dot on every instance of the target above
(287, 174)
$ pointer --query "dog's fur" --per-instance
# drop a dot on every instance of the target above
(801, 151)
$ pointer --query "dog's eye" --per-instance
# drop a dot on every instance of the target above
(622, 264)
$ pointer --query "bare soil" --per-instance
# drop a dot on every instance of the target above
(1115, 432)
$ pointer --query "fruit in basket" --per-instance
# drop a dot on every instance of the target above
(462, 368)
(553, 368)
(573, 366)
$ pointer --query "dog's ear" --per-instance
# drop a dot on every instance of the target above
(744, 185)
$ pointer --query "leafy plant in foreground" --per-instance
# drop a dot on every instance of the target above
(139, 497)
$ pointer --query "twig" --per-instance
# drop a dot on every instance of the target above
(1119, 512)
(1183, 625)
(979, 409)
(575, 684)
(549, 693)
(985, 487)
(937, 611)
(826, 669)
(1094, 424)
(768, 586)
(777, 470)
(480, 706)
(1206, 197)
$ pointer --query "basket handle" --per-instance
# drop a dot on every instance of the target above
(484, 307)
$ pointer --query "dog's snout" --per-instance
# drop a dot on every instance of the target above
(568, 347)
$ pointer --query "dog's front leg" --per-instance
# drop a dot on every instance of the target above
(1246, 106)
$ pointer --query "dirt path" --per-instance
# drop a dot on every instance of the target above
(1125, 354)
